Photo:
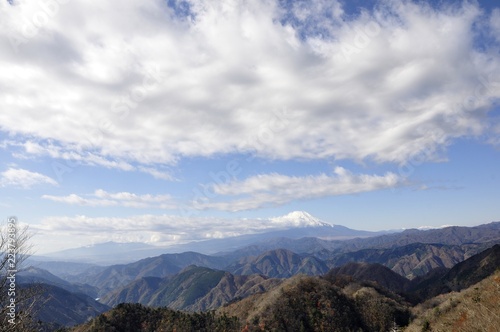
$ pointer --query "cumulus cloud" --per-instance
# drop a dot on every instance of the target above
(123, 82)
(103, 198)
(276, 189)
(21, 178)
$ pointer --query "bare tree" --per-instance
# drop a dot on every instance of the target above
(16, 301)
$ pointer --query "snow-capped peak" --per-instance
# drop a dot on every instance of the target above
(299, 219)
(425, 228)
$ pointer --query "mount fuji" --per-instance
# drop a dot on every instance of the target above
(299, 219)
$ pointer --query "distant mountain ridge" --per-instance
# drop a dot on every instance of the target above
(279, 263)
(104, 253)
(34, 275)
(481, 236)
(410, 260)
(314, 257)
(193, 289)
(194, 281)
(165, 288)
(294, 225)
(116, 276)
(299, 228)
(65, 308)
(377, 273)
(367, 297)
(334, 302)
(454, 235)
(462, 275)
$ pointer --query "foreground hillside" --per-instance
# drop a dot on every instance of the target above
(128, 317)
(300, 304)
(321, 304)
(473, 309)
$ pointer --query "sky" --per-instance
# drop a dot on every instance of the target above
(173, 121)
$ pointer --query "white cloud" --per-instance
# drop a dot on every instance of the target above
(495, 23)
(125, 199)
(157, 174)
(160, 229)
(255, 192)
(16, 177)
(495, 137)
(276, 189)
(139, 85)
(73, 157)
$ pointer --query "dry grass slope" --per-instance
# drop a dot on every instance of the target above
(476, 308)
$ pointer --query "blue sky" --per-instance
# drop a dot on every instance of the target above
(168, 122)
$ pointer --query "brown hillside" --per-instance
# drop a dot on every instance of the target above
(476, 308)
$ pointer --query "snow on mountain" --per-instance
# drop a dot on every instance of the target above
(299, 219)
(424, 228)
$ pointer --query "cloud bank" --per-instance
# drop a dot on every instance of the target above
(125, 199)
(267, 190)
(121, 82)
(160, 229)
(255, 192)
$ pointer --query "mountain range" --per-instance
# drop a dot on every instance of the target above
(193, 289)
(400, 269)
(355, 297)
